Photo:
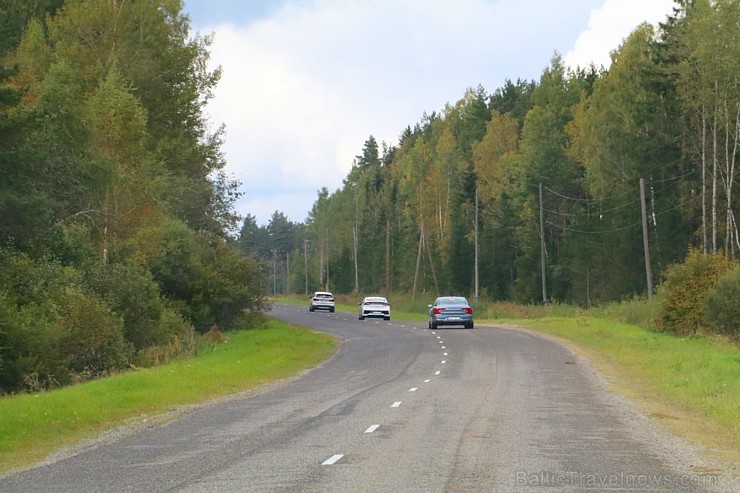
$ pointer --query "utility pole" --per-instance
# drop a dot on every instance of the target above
(645, 244)
(476, 246)
(431, 261)
(542, 249)
(328, 251)
(418, 260)
(387, 258)
(354, 245)
(305, 262)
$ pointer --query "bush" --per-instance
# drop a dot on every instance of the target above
(214, 282)
(91, 339)
(187, 345)
(132, 293)
(682, 295)
(722, 306)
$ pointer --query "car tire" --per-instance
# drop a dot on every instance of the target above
(310, 308)
(432, 325)
(386, 318)
(331, 310)
(469, 326)
(361, 317)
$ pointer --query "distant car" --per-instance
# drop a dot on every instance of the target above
(375, 306)
(321, 300)
(450, 310)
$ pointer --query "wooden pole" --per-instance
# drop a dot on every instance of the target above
(645, 243)
(542, 249)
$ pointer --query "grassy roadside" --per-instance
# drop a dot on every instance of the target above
(33, 426)
(690, 385)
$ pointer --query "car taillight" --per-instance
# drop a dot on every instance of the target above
(438, 310)
(468, 310)
(331, 299)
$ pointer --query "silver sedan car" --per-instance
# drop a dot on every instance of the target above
(375, 306)
(450, 310)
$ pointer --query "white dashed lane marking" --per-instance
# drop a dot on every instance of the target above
(332, 460)
(396, 404)
(372, 428)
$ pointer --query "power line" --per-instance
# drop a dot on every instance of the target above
(595, 213)
(571, 230)
(581, 199)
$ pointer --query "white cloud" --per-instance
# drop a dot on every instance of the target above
(610, 25)
(303, 88)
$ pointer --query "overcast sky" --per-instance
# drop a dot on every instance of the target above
(306, 82)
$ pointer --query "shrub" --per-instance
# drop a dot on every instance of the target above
(91, 338)
(187, 345)
(132, 293)
(722, 306)
(682, 295)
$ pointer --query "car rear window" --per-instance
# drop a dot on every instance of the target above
(453, 301)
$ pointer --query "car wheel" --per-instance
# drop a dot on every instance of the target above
(361, 317)
(433, 325)
(331, 310)
(469, 326)
(310, 308)
(386, 318)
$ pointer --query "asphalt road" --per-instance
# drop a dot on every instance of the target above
(399, 408)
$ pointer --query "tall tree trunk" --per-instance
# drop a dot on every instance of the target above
(714, 182)
(730, 157)
(704, 179)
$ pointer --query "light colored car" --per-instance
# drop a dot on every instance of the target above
(375, 306)
(321, 300)
(450, 310)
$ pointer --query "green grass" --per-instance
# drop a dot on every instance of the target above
(692, 384)
(32, 426)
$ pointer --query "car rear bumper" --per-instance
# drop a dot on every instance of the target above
(319, 306)
(376, 313)
(453, 320)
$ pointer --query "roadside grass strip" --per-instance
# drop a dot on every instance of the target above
(34, 425)
(692, 385)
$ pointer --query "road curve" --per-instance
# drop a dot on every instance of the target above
(399, 408)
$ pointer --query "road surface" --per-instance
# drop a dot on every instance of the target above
(399, 408)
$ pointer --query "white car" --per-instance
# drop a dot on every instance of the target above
(321, 300)
(375, 306)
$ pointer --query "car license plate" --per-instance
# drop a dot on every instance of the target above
(454, 318)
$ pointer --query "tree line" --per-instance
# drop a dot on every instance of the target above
(119, 242)
(410, 216)
(117, 216)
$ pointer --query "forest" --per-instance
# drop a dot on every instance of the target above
(598, 179)
(120, 245)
